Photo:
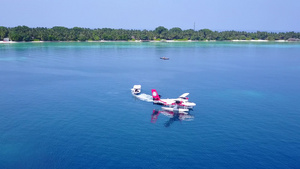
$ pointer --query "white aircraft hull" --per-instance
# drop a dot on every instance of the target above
(180, 110)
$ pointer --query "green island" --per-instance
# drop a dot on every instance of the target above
(59, 33)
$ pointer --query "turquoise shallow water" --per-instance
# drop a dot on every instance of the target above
(68, 105)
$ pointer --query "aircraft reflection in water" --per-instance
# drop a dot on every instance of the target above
(174, 116)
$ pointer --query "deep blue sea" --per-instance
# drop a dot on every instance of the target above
(69, 105)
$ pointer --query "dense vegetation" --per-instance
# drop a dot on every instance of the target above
(58, 33)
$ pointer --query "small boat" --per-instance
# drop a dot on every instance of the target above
(136, 89)
(164, 58)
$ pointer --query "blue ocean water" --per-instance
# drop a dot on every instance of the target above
(68, 105)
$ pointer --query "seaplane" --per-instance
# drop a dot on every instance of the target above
(181, 101)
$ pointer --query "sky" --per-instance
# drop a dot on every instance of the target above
(217, 15)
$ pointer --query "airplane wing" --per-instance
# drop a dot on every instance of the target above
(168, 101)
(184, 95)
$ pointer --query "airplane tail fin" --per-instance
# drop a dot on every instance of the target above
(155, 95)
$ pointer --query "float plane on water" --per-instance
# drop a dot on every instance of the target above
(182, 100)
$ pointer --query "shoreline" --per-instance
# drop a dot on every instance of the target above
(151, 41)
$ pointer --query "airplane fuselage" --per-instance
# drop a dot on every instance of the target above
(179, 101)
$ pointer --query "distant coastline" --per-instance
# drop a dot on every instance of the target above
(151, 41)
(160, 34)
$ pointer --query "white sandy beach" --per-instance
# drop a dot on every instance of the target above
(7, 42)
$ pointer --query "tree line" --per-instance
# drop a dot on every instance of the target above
(59, 33)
